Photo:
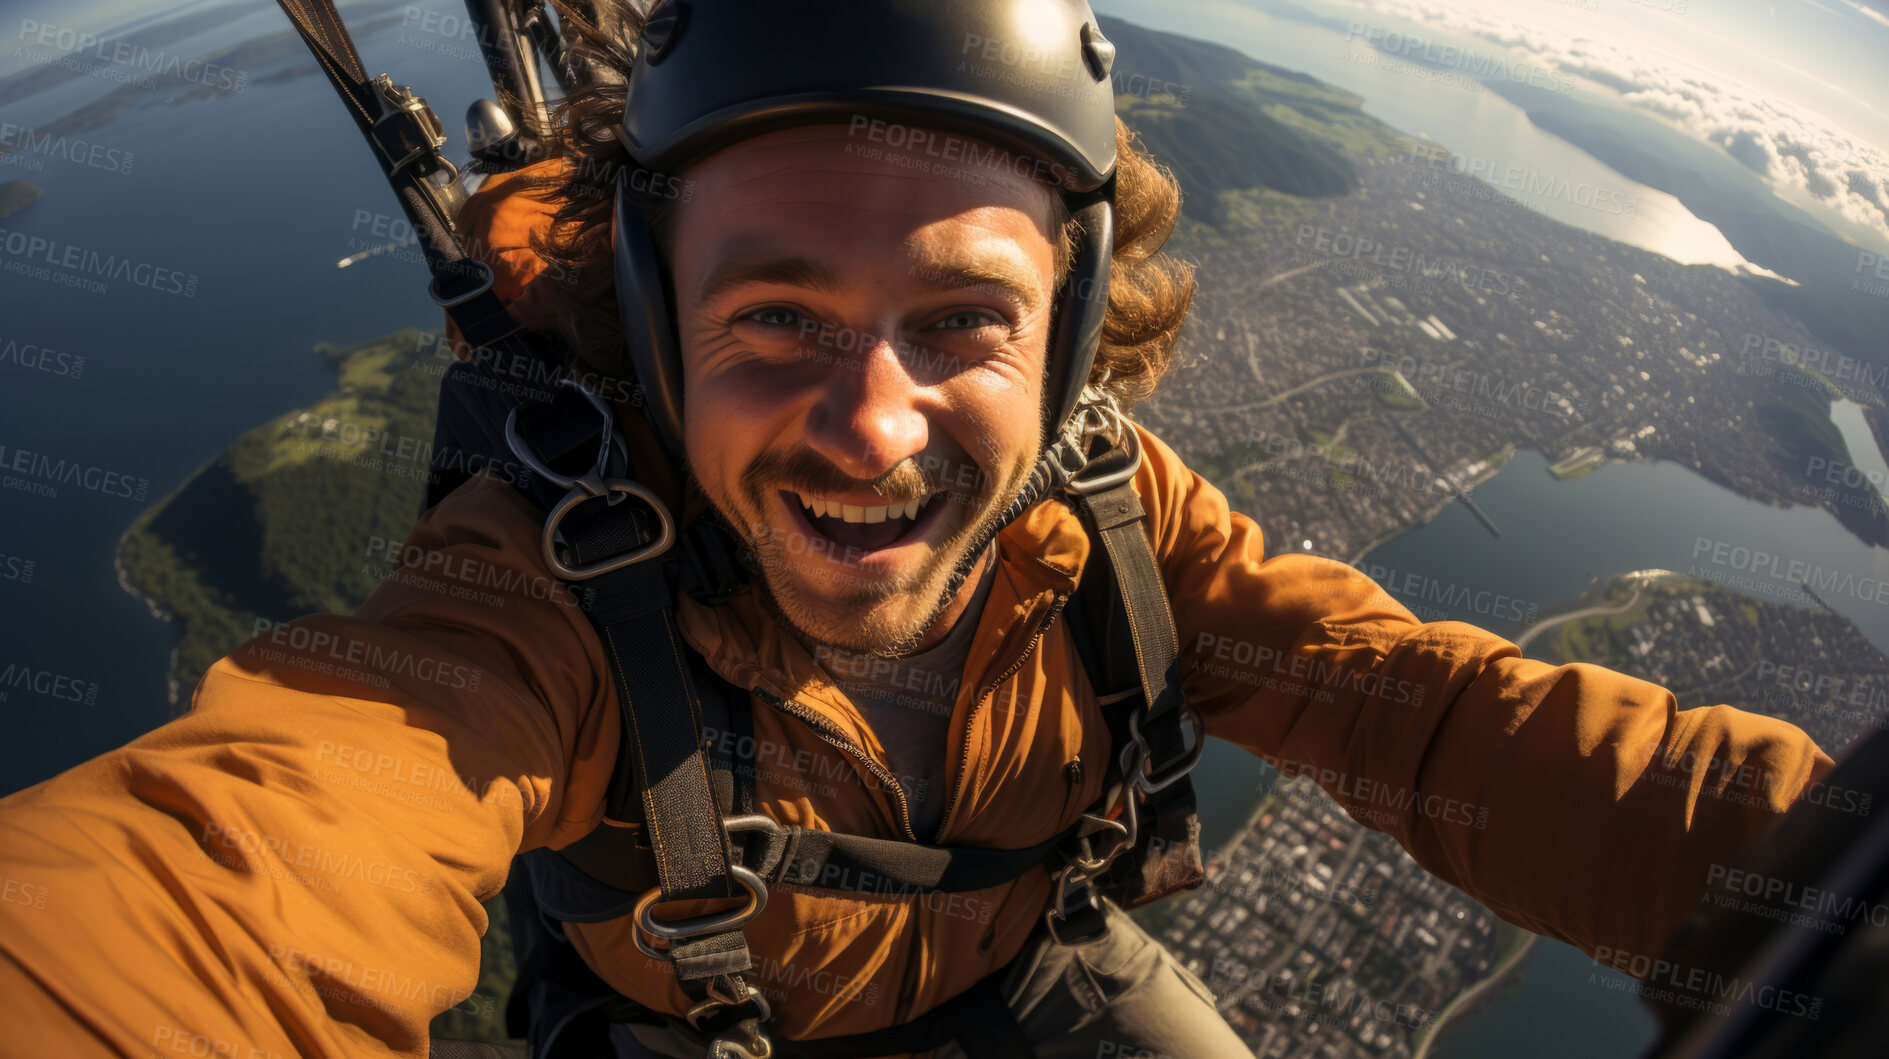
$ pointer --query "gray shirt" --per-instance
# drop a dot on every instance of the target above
(907, 701)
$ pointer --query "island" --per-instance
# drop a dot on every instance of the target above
(16, 195)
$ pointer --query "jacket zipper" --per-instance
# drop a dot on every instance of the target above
(825, 730)
(964, 762)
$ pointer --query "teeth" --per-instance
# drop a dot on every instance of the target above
(856, 513)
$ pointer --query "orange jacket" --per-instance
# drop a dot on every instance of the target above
(296, 866)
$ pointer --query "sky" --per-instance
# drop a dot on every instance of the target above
(1798, 90)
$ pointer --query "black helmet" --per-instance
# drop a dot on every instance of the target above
(1030, 76)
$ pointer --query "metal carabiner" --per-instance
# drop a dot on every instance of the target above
(1142, 779)
(590, 485)
(592, 480)
(695, 926)
(722, 995)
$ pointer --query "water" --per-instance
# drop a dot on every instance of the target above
(1489, 132)
(257, 195)
(1558, 1004)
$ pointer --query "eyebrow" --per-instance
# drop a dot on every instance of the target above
(940, 273)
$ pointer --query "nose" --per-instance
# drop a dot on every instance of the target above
(867, 418)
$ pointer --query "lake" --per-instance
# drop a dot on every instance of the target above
(1487, 131)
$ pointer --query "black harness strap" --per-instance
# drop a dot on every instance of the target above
(1122, 611)
(633, 609)
(406, 136)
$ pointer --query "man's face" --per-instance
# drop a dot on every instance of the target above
(863, 352)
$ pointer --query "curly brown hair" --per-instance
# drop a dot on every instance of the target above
(1149, 293)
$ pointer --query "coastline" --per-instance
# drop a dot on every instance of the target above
(1468, 997)
(128, 581)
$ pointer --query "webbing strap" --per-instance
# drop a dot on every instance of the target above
(821, 860)
(1114, 515)
(633, 609)
(405, 135)
(836, 861)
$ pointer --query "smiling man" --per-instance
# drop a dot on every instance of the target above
(851, 331)
(884, 788)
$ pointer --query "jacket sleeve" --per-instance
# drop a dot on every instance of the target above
(1572, 800)
(295, 867)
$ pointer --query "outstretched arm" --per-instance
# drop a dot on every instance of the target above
(1575, 801)
(295, 867)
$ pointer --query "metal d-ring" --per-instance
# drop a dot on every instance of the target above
(695, 926)
(580, 492)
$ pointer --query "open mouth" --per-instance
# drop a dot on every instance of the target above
(863, 528)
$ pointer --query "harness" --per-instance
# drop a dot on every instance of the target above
(694, 833)
(680, 820)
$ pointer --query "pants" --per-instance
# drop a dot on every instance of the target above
(1122, 997)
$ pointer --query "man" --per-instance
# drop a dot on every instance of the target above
(866, 383)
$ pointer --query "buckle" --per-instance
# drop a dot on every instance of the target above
(1081, 486)
(612, 488)
(1135, 764)
(1077, 925)
(721, 995)
(411, 121)
(745, 1038)
(591, 485)
(647, 925)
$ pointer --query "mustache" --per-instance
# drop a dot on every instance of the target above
(806, 471)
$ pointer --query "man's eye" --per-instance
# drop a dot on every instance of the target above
(969, 319)
(774, 316)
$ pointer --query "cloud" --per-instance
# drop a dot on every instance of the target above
(1791, 146)
(1874, 14)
